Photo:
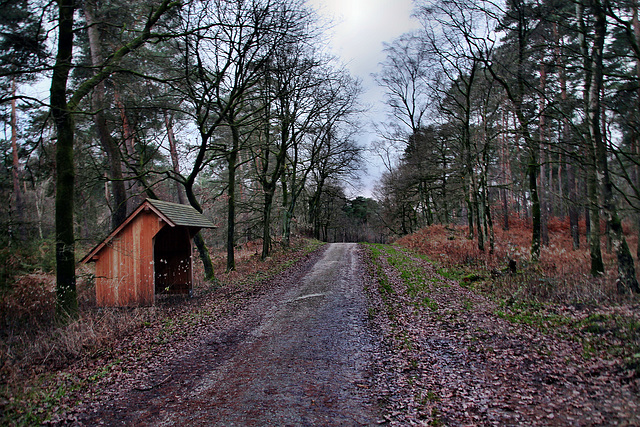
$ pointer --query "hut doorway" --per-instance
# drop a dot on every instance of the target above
(172, 261)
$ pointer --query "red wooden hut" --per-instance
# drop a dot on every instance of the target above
(148, 254)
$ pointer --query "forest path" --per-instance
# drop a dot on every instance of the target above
(297, 356)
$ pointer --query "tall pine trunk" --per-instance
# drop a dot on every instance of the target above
(532, 171)
(118, 190)
(515, 92)
(592, 211)
(15, 171)
(574, 212)
(62, 110)
(504, 173)
(232, 162)
(636, 136)
(627, 281)
(544, 184)
(66, 301)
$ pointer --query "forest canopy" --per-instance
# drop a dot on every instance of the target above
(230, 106)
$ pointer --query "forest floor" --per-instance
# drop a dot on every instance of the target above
(395, 339)
(454, 356)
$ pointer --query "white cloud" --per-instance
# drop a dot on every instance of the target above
(361, 27)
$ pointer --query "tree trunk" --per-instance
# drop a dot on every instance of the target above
(515, 94)
(232, 160)
(173, 151)
(62, 110)
(636, 179)
(504, 172)
(472, 202)
(476, 209)
(597, 266)
(203, 252)
(469, 205)
(66, 302)
(636, 136)
(593, 208)
(627, 281)
(119, 199)
(574, 212)
(136, 187)
(294, 193)
(544, 207)
(209, 274)
(15, 172)
(286, 226)
(544, 184)
(486, 205)
(314, 210)
(535, 207)
(288, 212)
(266, 221)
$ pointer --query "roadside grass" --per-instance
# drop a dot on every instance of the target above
(39, 373)
(405, 293)
(418, 285)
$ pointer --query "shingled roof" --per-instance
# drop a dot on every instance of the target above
(184, 215)
(173, 214)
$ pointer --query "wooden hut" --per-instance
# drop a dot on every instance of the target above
(148, 254)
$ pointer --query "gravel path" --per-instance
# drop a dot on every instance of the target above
(297, 356)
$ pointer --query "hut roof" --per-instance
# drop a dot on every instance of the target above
(184, 215)
(173, 214)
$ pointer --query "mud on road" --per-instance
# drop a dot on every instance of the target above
(300, 355)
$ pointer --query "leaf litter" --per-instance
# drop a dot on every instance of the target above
(459, 360)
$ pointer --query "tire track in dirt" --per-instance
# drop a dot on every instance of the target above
(298, 356)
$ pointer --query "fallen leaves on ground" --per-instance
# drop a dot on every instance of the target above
(456, 357)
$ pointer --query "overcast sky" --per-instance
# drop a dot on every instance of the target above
(360, 29)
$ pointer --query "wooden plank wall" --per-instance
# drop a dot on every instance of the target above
(124, 270)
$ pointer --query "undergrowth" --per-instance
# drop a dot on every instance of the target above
(561, 275)
(591, 324)
(555, 295)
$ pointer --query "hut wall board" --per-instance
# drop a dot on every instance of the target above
(124, 270)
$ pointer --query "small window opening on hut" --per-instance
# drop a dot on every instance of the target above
(172, 261)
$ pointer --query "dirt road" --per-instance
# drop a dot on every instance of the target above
(297, 356)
